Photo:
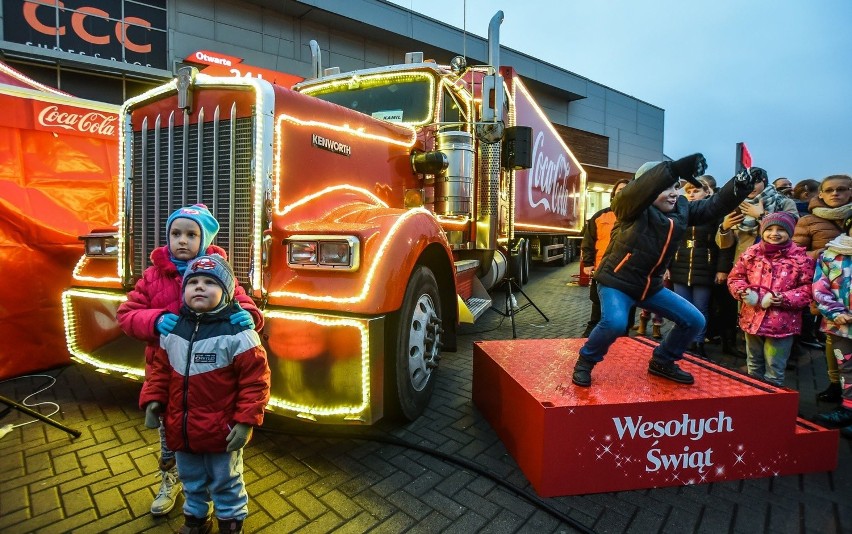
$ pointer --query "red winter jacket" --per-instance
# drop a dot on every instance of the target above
(158, 292)
(210, 375)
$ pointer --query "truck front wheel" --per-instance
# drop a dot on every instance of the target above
(417, 347)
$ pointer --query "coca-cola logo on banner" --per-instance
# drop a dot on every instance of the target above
(77, 120)
(117, 30)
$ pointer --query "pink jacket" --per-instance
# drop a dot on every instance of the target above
(158, 292)
(788, 272)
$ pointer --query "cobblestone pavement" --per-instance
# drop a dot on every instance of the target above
(368, 480)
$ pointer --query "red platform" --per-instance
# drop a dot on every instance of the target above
(632, 430)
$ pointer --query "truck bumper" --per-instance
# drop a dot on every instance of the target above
(325, 368)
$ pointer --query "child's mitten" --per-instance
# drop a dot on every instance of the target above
(750, 297)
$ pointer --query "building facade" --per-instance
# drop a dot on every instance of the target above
(110, 50)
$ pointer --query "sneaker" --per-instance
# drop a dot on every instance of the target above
(230, 526)
(838, 418)
(582, 375)
(670, 371)
(169, 489)
(196, 525)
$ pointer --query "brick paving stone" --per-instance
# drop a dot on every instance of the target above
(79, 522)
(327, 522)
(409, 504)
(341, 504)
(44, 500)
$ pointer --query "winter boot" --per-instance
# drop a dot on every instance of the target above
(831, 393)
(196, 525)
(230, 526)
(656, 333)
(583, 372)
(169, 489)
(643, 326)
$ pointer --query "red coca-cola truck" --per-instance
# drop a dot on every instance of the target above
(367, 213)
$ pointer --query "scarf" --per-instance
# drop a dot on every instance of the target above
(771, 250)
(834, 214)
(772, 200)
(180, 264)
(841, 244)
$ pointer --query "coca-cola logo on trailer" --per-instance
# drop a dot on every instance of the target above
(547, 185)
(77, 120)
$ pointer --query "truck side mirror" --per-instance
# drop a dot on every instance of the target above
(493, 98)
(517, 148)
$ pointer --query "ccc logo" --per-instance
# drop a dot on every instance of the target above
(77, 25)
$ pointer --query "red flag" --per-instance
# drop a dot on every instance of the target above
(746, 156)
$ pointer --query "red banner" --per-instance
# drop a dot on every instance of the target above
(218, 64)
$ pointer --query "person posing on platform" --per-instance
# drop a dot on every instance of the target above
(813, 231)
(595, 241)
(211, 379)
(152, 306)
(697, 265)
(831, 291)
(651, 219)
(773, 280)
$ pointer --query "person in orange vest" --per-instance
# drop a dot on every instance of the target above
(595, 241)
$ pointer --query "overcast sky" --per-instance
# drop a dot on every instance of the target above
(776, 74)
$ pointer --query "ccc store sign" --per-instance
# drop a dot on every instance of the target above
(132, 32)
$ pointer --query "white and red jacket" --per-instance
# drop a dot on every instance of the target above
(209, 375)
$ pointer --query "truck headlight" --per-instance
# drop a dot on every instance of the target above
(323, 252)
(100, 244)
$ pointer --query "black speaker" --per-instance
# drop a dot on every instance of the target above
(517, 148)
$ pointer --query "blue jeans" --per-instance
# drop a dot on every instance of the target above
(699, 296)
(614, 308)
(767, 357)
(216, 477)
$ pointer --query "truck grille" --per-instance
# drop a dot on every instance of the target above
(173, 166)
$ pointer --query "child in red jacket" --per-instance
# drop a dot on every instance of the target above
(773, 279)
(211, 379)
(152, 306)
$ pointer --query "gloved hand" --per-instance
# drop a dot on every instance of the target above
(242, 318)
(750, 297)
(166, 323)
(690, 168)
(745, 180)
(238, 437)
(152, 414)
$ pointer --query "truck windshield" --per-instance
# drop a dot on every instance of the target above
(390, 99)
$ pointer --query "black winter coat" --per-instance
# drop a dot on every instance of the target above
(644, 238)
(697, 259)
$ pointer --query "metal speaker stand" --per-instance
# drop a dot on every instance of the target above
(32, 413)
(510, 286)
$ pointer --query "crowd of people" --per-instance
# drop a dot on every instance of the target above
(758, 264)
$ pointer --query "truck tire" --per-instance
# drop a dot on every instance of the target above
(526, 259)
(416, 347)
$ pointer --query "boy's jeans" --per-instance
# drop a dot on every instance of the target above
(213, 476)
(615, 306)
